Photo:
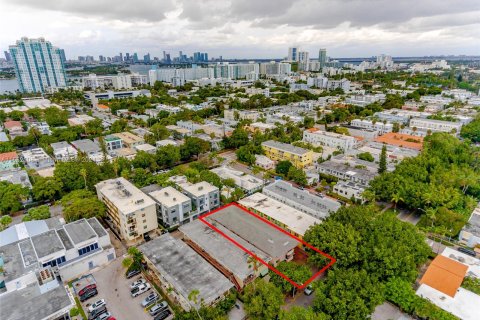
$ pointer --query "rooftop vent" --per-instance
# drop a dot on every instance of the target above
(140, 201)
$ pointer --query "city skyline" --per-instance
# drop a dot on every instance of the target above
(242, 29)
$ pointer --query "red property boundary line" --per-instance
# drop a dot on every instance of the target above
(298, 286)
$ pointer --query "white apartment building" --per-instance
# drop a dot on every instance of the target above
(204, 196)
(343, 84)
(248, 183)
(349, 190)
(173, 207)
(329, 139)
(264, 162)
(363, 100)
(436, 125)
(179, 76)
(36, 159)
(62, 151)
(249, 71)
(231, 114)
(275, 68)
(379, 126)
(130, 212)
(118, 82)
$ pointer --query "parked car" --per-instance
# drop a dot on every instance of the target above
(156, 309)
(96, 305)
(132, 273)
(104, 316)
(95, 314)
(87, 288)
(308, 290)
(88, 294)
(150, 299)
(163, 315)
(467, 251)
(140, 289)
(138, 282)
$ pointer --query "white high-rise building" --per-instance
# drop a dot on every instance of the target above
(292, 54)
(38, 65)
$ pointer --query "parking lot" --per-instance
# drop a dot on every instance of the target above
(115, 289)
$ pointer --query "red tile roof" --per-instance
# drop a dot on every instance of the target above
(8, 156)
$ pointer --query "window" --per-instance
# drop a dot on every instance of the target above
(87, 249)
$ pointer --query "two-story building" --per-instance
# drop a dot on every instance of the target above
(279, 151)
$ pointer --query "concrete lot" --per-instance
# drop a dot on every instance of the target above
(114, 288)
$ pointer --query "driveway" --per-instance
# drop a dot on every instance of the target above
(300, 299)
(114, 288)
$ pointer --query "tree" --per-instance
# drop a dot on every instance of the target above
(134, 259)
(297, 175)
(382, 165)
(308, 122)
(301, 313)
(472, 130)
(37, 213)
(11, 197)
(167, 156)
(5, 222)
(348, 294)
(48, 188)
(94, 127)
(262, 300)
(366, 156)
(246, 154)
(16, 115)
(159, 131)
(297, 273)
(119, 126)
(283, 167)
(56, 117)
(6, 146)
(145, 160)
(238, 138)
(193, 146)
(81, 204)
(70, 174)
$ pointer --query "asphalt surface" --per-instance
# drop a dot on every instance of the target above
(115, 289)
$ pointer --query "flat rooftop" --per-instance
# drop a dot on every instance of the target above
(124, 195)
(97, 227)
(86, 146)
(169, 196)
(31, 303)
(199, 188)
(285, 147)
(184, 269)
(18, 259)
(241, 179)
(260, 234)
(80, 231)
(47, 243)
(402, 140)
(294, 219)
(222, 249)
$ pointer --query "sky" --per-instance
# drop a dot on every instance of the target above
(247, 28)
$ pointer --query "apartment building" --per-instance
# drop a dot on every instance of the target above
(318, 206)
(279, 151)
(264, 162)
(344, 171)
(205, 196)
(436, 125)
(248, 183)
(349, 190)
(118, 82)
(173, 207)
(112, 142)
(8, 160)
(379, 126)
(80, 120)
(36, 159)
(62, 151)
(329, 139)
(130, 212)
(86, 146)
(129, 139)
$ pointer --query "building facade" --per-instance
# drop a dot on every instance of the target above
(329, 139)
(279, 151)
(173, 207)
(38, 65)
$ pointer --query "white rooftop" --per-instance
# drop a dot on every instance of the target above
(169, 196)
(464, 305)
(295, 220)
(199, 188)
(124, 195)
(242, 180)
(472, 262)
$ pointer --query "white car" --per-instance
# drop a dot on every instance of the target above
(140, 289)
(138, 282)
(97, 304)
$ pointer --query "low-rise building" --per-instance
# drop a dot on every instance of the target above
(129, 139)
(330, 139)
(379, 126)
(8, 160)
(16, 176)
(264, 162)
(261, 127)
(346, 172)
(62, 151)
(14, 128)
(436, 125)
(223, 254)
(401, 140)
(112, 142)
(180, 270)
(349, 190)
(318, 206)
(470, 234)
(283, 215)
(130, 212)
(42, 127)
(204, 196)
(173, 207)
(86, 146)
(279, 151)
(36, 159)
(248, 183)
(148, 148)
(80, 120)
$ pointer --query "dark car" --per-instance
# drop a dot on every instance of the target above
(88, 294)
(132, 273)
(467, 251)
(163, 315)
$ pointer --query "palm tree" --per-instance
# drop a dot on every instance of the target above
(83, 173)
(193, 296)
(396, 198)
(252, 260)
(431, 214)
